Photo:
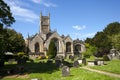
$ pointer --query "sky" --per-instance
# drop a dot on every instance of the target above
(76, 18)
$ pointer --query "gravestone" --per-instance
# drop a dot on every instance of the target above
(99, 62)
(65, 71)
(76, 64)
(109, 57)
(57, 63)
(84, 61)
(79, 61)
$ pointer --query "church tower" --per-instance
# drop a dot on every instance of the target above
(44, 24)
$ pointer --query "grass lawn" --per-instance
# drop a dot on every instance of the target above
(112, 66)
(45, 71)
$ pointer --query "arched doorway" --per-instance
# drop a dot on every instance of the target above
(68, 47)
(37, 47)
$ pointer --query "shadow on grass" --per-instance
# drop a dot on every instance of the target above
(28, 68)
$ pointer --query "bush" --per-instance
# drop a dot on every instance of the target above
(22, 57)
(105, 58)
(52, 50)
(91, 50)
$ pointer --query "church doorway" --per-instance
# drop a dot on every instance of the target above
(68, 47)
(37, 47)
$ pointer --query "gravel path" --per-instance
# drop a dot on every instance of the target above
(102, 72)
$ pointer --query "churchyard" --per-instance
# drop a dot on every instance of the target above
(52, 70)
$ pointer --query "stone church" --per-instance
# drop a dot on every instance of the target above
(39, 43)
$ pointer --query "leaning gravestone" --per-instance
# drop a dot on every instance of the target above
(76, 64)
(65, 71)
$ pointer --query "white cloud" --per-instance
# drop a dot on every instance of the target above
(37, 1)
(79, 27)
(21, 13)
(82, 36)
(89, 35)
(49, 4)
(45, 3)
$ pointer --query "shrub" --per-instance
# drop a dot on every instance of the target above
(22, 57)
(105, 58)
(52, 50)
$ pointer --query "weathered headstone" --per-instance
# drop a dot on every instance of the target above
(75, 64)
(57, 63)
(80, 61)
(109, 57)
(99, 62)
(65, 71)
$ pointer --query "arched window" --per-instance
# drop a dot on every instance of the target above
(78, 47)
(68, 47)
(37, 47)
(56, 41)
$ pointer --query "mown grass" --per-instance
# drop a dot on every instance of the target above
(111, 66)
(48, 71)
(76, 74)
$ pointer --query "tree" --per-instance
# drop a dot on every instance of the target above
(6, 18)
(14, 42)
(52, 50)
(106, 39)
(112, 29)
(90, 50)
(102, 41)
(89, 40)
(116, 41)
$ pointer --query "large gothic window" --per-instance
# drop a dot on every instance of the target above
(68, 47)
(56, 41)
(37, 47)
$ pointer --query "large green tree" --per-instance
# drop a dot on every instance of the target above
(6, 18)
(107, 38)
(116, 41)
(52, 50)
(112, 29)
(15, 41)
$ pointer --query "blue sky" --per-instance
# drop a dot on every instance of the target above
(77, 18)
